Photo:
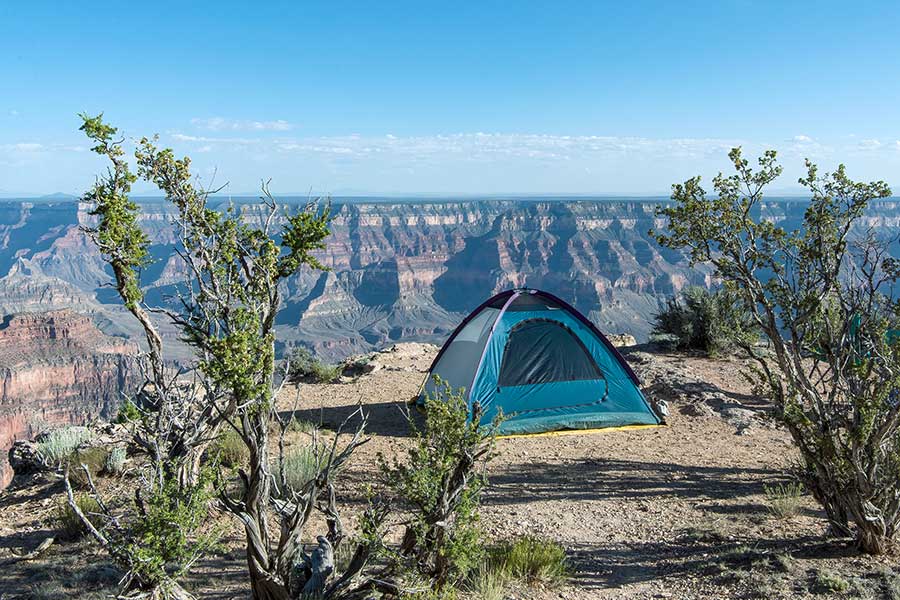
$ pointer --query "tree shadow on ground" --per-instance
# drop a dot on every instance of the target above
(602, 478)
(615, 565)
(384, 418)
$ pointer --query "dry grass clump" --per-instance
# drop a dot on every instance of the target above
(69, 524)
(300, 466)
(115, 461)
(532, 560)
(785, 499)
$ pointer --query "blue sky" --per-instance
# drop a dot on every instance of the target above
(480, 97)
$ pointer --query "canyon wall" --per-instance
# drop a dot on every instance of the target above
(57, 368)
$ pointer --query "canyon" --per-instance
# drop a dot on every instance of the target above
(405, 270)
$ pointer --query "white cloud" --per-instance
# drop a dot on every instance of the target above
(800, 139)
(181, 137)
(34, 147)
(25, 147)
(870, 144)
(481, 146)
(222, 124)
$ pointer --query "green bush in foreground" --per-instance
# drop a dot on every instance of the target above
(172, 530)
(441, 482)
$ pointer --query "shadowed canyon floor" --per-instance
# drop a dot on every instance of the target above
(673, 512)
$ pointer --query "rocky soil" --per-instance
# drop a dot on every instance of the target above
(673, 512)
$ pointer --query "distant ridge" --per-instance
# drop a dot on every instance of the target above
(58, 196)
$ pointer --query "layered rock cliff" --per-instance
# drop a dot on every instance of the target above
(57, 368)
(399, 270)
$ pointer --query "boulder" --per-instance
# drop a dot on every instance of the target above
(621, 340)
(360, 365)
(25, 459)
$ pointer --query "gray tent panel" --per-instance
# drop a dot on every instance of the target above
(459, 360)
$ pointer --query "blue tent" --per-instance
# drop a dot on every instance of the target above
(541, 362)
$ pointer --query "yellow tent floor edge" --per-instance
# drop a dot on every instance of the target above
(578, 431)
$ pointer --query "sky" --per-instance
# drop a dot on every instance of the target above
(451, 97)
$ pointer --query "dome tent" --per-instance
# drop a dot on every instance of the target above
(543, 364)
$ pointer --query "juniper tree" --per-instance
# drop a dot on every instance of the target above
(225, 310)
(823, 295)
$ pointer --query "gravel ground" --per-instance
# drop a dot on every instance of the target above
(671, 512)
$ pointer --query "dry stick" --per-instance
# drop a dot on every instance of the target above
(77, 510)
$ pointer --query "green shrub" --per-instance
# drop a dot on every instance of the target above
(829, 582)
(325, 373)
(70, 525)
(128, 412)
(300, 467)
(230, 449)
(441, 482)
(531, 559)
(305, 367)
(172, 529)
(59, 444)
(703, 320)
(115, 461)
(784, 499)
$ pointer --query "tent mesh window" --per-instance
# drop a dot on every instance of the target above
(544, 351)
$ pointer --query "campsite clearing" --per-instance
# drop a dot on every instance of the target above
(671, 512)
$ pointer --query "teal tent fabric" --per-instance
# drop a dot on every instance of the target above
(534, 358)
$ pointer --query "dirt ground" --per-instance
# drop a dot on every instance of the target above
(673, 512)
